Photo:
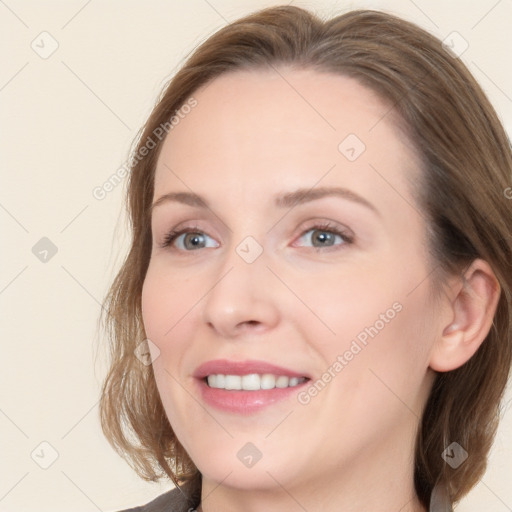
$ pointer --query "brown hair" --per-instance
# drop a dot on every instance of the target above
(466, 167)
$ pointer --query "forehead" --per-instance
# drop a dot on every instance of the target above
(287, 124)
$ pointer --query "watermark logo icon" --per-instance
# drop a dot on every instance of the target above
(249, 249)
(454, 455)
(147, 352)
(44, 250)
(45, 45)
(351, 147)
(44, 455)
(249, 455)
(455, 44)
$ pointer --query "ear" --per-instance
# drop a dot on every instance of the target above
(471, 307)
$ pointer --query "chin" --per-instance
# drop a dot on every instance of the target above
(233, 473)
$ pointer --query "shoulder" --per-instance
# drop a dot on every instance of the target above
(175, 500)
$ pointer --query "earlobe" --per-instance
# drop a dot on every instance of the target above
(472, 312)
(450, 351)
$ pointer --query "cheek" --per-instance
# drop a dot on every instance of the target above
(170, 313)
(343, 306)
(374, 321)
(394, 357)
(166, 313)
(154, 302)
(166, 300)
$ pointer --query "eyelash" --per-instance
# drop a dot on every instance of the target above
(325, 226)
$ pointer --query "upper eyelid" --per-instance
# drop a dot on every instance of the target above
(203, 215)
(321, 225)
(315, 224)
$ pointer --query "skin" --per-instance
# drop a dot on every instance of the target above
(301, 303)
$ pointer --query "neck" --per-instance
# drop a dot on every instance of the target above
(380, 479)
(251, 501)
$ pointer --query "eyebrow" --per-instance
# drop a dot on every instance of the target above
(287, 200)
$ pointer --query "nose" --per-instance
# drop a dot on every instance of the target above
(242, 298)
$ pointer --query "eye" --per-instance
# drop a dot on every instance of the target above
(325, 235)
(318, 236)
(188, 239)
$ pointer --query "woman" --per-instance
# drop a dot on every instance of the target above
(315, 310)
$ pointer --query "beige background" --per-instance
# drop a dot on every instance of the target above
(67, 123)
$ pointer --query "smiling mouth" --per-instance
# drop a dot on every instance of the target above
(252, 381)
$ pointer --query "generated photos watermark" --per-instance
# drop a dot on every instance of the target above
(158, 134)
(356, 346)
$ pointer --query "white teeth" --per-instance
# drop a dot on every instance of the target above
(233, 382)
(282, 381)
(253, 381)
(267, 381)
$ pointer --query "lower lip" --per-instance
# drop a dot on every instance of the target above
(245, 402)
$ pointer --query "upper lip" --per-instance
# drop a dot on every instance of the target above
(227, 367)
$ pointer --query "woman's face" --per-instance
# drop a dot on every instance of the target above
(305, 251)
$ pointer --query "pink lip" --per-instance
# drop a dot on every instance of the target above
(226, 367)
(240, 401)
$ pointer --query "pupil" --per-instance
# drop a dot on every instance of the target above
(194, 239)
(323, 237)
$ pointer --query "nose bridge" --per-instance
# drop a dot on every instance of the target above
(240, 295)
